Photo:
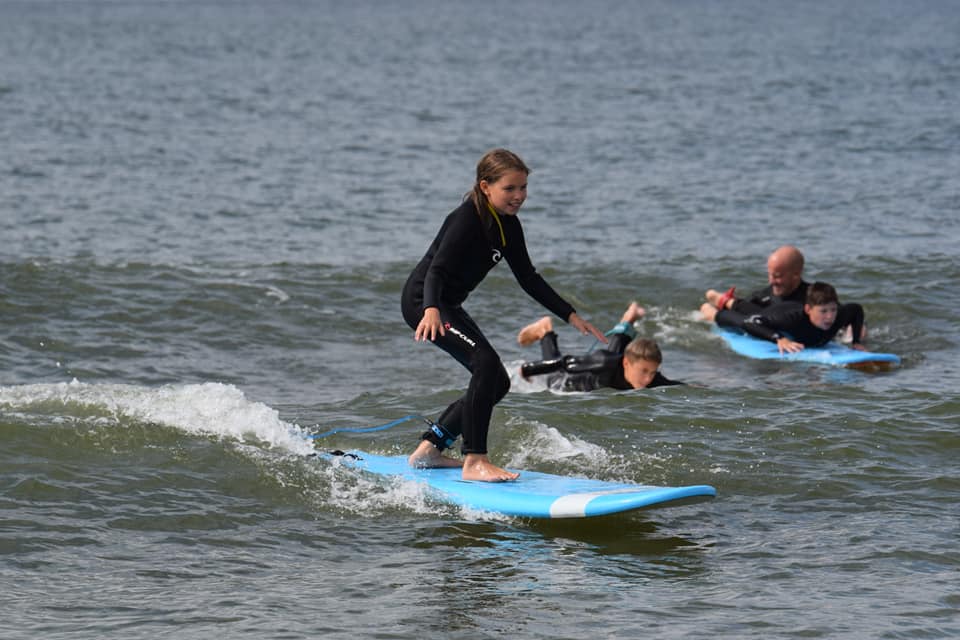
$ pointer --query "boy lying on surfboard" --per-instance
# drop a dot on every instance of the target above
(627, 362)
(793, 326)
(785, 284)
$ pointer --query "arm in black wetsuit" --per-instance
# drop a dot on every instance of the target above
(620, 336)
(777, 320)
(850, 314)
(457, 260)
(526, 274)
(607, 359)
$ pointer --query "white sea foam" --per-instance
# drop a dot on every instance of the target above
(547, 444)
(210, 408)
(222, 410)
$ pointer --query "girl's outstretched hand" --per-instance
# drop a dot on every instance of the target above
(429, 326)
(585, 327)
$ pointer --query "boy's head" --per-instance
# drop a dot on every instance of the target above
(641, 360)
(821, 305)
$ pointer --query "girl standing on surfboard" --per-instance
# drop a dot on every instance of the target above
(473, 239)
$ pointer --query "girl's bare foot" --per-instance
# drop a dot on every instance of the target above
(535, 331)
(427, 456)
(478, 467)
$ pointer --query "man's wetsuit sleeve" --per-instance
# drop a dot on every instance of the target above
(525, 273)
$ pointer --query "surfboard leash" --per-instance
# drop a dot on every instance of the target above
(380, 427)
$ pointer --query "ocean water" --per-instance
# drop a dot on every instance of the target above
(208, 210)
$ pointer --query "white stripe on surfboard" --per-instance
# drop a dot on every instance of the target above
(575, 504)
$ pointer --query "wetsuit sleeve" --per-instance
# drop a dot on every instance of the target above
(757, 302)
(760, 296)
(525, 273)
(775, 321)
(756, 325)
(851, 314)
(620, 336)
(452, 240)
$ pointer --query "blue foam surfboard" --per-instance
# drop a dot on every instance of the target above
(834, 353)
(533, 494)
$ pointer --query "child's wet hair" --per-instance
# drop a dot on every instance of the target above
(820, 293)
(643, 349)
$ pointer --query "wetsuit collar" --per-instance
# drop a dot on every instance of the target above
(493, 212)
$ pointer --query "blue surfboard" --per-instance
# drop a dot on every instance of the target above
(833, 354)
(533, 494)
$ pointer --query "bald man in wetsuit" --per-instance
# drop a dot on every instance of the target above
(785, 275)
(786, 284)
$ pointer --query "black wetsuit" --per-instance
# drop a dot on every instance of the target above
(463, 252)
(601, 368)
(789, 320)
(763, 298)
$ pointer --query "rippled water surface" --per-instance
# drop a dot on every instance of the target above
(208, 210)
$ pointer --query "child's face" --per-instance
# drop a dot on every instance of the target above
(821, 315)
(508, 193)
(639, 373)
